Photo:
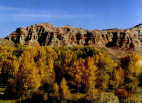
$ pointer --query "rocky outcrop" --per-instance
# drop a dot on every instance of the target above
(47, 34)
(4, 42)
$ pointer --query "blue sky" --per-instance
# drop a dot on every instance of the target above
(88, 14)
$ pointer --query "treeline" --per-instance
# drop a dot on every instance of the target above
(67, 73)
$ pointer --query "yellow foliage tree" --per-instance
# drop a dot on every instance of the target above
(92, 91)
(64, 90)
(28, 77)
(118, 75)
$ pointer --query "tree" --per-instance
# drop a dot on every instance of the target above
(45, 62)
(105, 67)
(92, 90)
(132, 63)
(64, 90)
(28, 77)
(133, 68)
(56, 90)
(9, 69)
(118, 76)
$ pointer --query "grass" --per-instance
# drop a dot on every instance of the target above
(2, 91)
(7, 101)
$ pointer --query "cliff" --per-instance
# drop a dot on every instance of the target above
(47, 34)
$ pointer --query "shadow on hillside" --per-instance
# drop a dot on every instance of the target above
(1, 96)
(7, 97)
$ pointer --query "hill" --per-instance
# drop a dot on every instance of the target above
(49, 35)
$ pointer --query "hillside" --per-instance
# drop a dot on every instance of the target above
(46, 64)
(49, 35)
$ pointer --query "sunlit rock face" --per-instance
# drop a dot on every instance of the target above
(47, 34)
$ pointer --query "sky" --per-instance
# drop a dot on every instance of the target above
(88, 14)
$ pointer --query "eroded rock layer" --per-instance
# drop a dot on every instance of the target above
(47, 34)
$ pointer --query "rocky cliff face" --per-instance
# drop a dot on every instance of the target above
(46, 34)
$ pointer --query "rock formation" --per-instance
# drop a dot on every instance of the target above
(5, 42)
(47, 34)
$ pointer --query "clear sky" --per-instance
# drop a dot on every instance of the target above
(88, 14)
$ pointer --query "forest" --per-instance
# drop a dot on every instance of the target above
(44, 74)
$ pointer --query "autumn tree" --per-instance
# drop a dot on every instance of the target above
(8, 63)
(92, 90)
(56, 90)
(27, 77)
(118, 77)
(45, 58)
(9, 69)
(132, 63)
(106, 66)
(64, 90)
(133, 67)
